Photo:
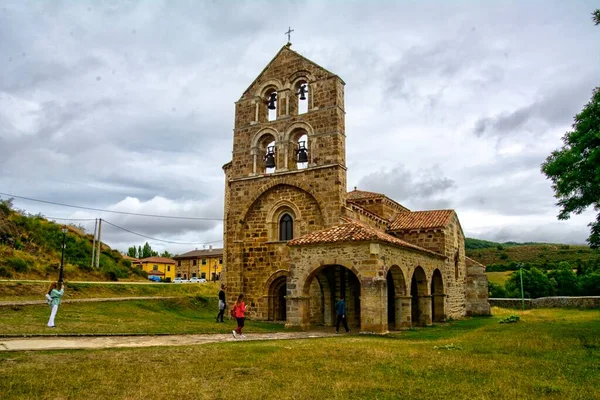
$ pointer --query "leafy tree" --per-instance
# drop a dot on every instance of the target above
(535, 284)
(496, 290)
(575, 168)
(166, 254)
(132, 252)
(147, 251)
(567, 283)
(140, 254)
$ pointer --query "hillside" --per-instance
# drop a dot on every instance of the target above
(494, 255)
(30, 248)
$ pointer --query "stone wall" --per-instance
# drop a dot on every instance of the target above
(477, 291)
(548, 302)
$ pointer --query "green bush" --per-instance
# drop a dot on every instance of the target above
(535, 284)
(496, 290)
(18, 264)
(510, 319)
(4, 272)
(504, 256)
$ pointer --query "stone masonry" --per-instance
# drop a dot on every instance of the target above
(396, 268)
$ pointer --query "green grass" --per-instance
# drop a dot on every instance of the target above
(498, 277)
(10, 290)
(182, 315)
(549, 354)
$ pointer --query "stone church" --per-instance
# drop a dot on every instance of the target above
(295, 239)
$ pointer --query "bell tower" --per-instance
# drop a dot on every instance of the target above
(287, 176)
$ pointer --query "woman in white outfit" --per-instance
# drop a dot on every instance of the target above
(55, 296)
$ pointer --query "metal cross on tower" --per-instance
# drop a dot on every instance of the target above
(289, 33)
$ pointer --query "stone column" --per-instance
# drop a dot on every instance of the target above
(405, 318)
(373, 306)
(298, 312)
(424, 310)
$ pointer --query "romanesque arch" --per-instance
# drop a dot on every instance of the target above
(438, 312)
(324, 286)
(396, 293)
(419, 300)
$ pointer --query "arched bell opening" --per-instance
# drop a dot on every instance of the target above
(418, 291)
(299, 154)
(277, 300)
(272, 103)
(438, 313)
(267, 150)
(396, 292)
(302, 93)
(325, 287)
(302, 152)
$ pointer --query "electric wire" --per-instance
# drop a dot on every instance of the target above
(159, 240)
(110, 211)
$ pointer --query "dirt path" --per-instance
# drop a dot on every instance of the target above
(30, 302)
(111, 342)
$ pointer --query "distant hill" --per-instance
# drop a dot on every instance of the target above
(496, 255)
(30, 248)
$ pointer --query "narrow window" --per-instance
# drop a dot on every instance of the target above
(179, 263)
(155, 267)
(168, 268)
(270, 164)
(286, 227)
(302, 94)
(194, 264)
(302, 152)
(204, 261)
(220, 261)
(456, 265)
(272, 105)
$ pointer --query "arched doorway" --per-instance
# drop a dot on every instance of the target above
(396, 290)
(324, 288)
(437, 292)
(277, 303)
(418, 290)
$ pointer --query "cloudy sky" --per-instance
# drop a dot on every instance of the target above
(128, 105)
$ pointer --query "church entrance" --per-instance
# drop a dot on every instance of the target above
(396, 290)
(437, 292)
(324, 288)
(277, 293)
(418, 289)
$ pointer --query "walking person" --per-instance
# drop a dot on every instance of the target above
(222, 303)
(340, 309)
(239, 310)
(55, 296)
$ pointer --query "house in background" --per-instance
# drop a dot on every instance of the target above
(206, 264)
(159, 266)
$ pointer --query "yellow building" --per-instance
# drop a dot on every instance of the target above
(159, 266)
(207, 264)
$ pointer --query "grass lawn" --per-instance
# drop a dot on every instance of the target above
(169, 316)
(549, 354)
(14, 290)
(498, 277)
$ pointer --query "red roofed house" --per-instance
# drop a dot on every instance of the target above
(295, 240)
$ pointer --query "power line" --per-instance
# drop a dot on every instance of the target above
(69, 219)
(151, 238)
(110, 211)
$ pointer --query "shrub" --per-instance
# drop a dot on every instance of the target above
(5, 272)
(510, 319)
(535, 284)
(496, 290)
(18, 264)
(500, 247)
(504, 256)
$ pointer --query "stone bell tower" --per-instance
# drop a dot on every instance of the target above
(287, 176)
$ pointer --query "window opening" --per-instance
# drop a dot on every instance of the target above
(272, 106)
(302, 98)
(286, 227)
(302, 153)
(270, 158)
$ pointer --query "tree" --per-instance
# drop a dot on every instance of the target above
(166, 254)
(575, 168)
(132, 252)
(140, 254)
(535, 284)
(147, 251)
(567, 283)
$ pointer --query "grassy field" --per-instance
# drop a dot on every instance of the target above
(168, 316)
(11, 290)
(550, 354)
(498, 277)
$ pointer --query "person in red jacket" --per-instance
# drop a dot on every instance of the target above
(239, 310)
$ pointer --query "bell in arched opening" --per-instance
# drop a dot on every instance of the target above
(270, 157)
(271, 101)
(302, 91)
(302, 153)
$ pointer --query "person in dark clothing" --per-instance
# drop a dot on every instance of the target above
(340, 308)
(222, 303)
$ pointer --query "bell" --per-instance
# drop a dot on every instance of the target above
(302, 92)
(271, 101)
(301, 153)
(270, 158)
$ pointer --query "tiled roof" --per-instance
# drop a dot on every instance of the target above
(362, 194)
(352, 231)
(156, 272)
(470, 261)
(161, 260)
(421, 219)
(200, 254)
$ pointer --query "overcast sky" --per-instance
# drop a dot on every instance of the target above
(129, 105)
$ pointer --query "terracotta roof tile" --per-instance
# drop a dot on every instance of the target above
(362, 194)
(421, 219)
(162, 260)
(353, 231)
(470, 261)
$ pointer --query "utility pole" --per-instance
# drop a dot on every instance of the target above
(94, 243)
(99, 243)
(522, 294)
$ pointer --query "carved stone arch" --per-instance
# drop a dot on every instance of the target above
(290, 141)
(297, 76)
(420, 298)
(275, 213)
(259, 146)
(275, 291)
(299, 125)
(265, 86)
(314, 271)
(265, 131)
(247, 206)
(274, 276)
